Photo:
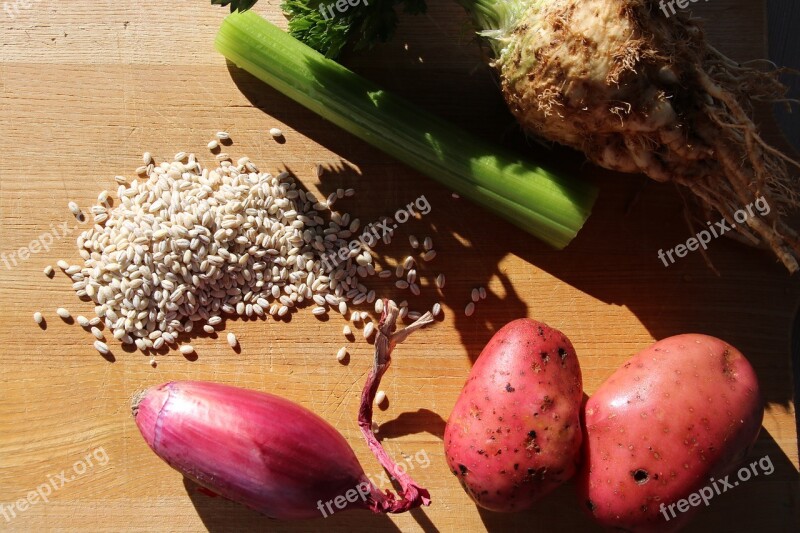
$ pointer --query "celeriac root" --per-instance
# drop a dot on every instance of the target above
(641, 92)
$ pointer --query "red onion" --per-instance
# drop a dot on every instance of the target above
(268, 453)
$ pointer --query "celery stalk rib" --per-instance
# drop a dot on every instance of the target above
(553, 208)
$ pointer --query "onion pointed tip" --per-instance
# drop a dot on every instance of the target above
(146, 405)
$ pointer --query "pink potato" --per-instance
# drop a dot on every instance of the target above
(680, 412)
(514, 434)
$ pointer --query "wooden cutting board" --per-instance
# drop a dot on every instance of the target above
(85, 87)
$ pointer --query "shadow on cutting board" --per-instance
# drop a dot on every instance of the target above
(222, 516)
(745, 505)
(411, 422)
(742, 508)
(614, 257)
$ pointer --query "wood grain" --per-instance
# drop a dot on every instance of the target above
(85, 87)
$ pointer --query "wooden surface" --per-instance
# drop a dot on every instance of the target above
(85, 87)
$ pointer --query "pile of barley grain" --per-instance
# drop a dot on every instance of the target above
(187, 245)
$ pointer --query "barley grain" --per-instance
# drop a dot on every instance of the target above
(437, 309)
(233, 342)
(368, 330)
(38, 318)
(469, 309)
(380, 397)
(276, 133)
(75, 210)
(63, 313)
(440, 280)
(187, 349)
(48, 271)
(341, 355)
(101, 347)
(475, 295)
(430, 255)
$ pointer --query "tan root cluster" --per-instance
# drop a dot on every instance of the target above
(641, 92)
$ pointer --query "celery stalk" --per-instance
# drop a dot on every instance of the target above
(550, 207)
